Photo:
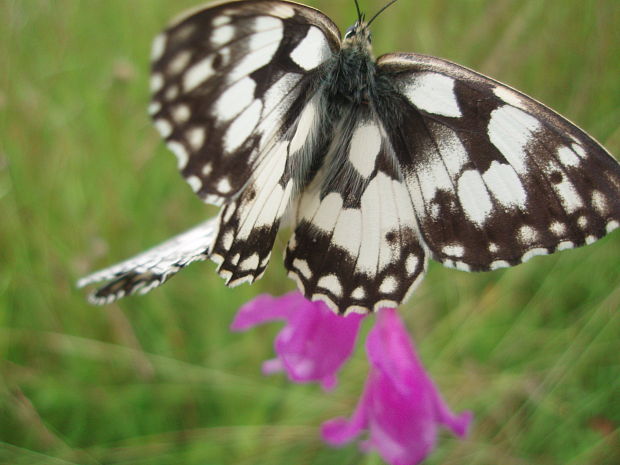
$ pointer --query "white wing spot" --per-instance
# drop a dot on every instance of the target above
(532, 253)
(172, 93)
(582, 221)
(527, 234)
(453, 250)
(196, 137)
(365, 146)
(282, 10)
(462, 266)
(223, 186)
(565, 245)
(613, 224)
(154, 107)
(159, 45)
(220, 21)
(163, 127)
(157, 82)
(388, 285)
(228, 213)
(198, 73)
(493, 247)
(557, 228)
(222, 35)
(234, 99)
(568, 195)
(474, 197)
(311, 51)
(303, 268)
(567, 156)
(242, 127)
(207, 169)
(433, 93)
(262, 45)
(499, 264)
(194, 182)
(511, 130)
(179, 152)
(599, 201)
(411, 264)
(505, 185)
(250, 263)
(181, 113)
(579, 150)
(591, 239)
(508, 96)
(304, 127)
(227, 240)
(331, 283)
(358, 293)
(179, 62)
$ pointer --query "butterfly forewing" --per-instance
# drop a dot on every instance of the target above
(230, 85)
(495, 177)
(152, 268)
(223, 81)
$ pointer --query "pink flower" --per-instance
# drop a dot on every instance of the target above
(400, 406)
(313, 345)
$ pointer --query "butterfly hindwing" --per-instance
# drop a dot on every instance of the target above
(224, 79)
(495, 176)
(355, 244)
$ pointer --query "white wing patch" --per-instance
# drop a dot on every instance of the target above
(365, 146)
(433, 93)
(505, 186)
(511, 130)
(312, 50)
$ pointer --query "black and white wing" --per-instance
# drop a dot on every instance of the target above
(355, 245)
(229, 85)
(144, 272)
(495, 177)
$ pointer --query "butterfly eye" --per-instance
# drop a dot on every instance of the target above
(350, 32)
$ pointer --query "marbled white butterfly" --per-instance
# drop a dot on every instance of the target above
(378, 165)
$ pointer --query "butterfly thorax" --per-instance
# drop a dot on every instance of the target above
(352, 77)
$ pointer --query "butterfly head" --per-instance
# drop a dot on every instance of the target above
(358, 36)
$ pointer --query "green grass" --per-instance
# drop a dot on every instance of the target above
(85, 182)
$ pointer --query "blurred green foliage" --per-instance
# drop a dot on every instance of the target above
(85, 181)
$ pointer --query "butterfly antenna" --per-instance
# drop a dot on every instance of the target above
(359, 14)
(380, 11)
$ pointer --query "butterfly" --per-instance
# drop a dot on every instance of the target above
(378, 164)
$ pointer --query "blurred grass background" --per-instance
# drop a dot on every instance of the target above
(85, 182)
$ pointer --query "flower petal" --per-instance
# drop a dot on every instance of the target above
(314, 343)
(266, 308)
(339, 431)
(400, 407)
